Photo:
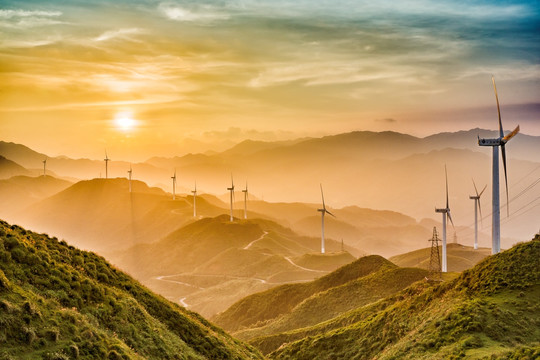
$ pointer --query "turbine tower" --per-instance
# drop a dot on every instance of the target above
(231, 189)
(195, 200)
(495, 144)
(106, 165)
(130, 171)
(477, 209)
(245, 191)
(323, 212)
(44, 167)
(445, 214)
(174, 185)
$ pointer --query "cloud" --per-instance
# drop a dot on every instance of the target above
(120, 33)
(9, 14)
(178, 13)
(386, 120)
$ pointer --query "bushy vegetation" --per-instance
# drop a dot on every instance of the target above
(267, 305)
(57, 302)
(335, 301)
(490, 311)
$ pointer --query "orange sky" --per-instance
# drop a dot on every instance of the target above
(151, 78)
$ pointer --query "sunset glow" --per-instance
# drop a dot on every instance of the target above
(261, 70)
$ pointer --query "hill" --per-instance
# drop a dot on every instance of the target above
(489, 311)
(270, 304)
(102, 215)
(10, 168)
(57, 302)
(213, 262)
(335, 301)
(460, 257)
(18, 192)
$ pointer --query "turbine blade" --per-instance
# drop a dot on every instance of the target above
(511, 135)
(501, 132)
(503, 151)
(322, 195)
(475, 189)
(481, 192)
(450, 218)
(329, 213)
(480, 210)
(446, 175)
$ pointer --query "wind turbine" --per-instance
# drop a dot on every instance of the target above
(44, 166)
(106, 165)
(477, 209)
(130, 171)
(195, 200)
(445, 214)
(495, 143)
(174, 185)
(323, 212)
(231, 189)
(245, 191)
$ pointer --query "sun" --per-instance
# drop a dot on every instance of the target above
(124, 121)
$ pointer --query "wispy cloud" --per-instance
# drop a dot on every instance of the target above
(119, 33)
(28, 18)
(206, 13)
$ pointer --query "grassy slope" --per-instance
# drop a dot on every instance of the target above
(492, 309)
(57, 302)
(333, 302)
(460, 257)
(272, 303)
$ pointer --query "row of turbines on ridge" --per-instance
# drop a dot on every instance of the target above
(495, 143)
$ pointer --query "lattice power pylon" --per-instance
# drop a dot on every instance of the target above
(435, 258)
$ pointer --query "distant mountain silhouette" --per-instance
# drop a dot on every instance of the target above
(18, 192)
(10, 168)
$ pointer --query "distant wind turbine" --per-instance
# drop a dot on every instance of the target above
(106, 165)
(245, 191)
(130, 171)
(496, 143)
(44, 167)
(174, 185)
(195, 201)
(445, 214)
(477, 208)
(231, 189)
(323, 212)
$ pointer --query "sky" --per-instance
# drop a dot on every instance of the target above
(144, 78)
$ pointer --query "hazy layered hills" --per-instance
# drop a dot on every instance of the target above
(211, 263)
(57, 302)
(10, 168)
(102, 215)
(459, 257)
(18, 192)
(489, 311)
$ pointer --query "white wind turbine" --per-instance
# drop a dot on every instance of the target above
(445, 214)
(477, 208)
(174, 185)
(231, 189)
(245, 191)
(323, 212)
(495, 143)
(106, 165)
(130, 171)
(195, 200)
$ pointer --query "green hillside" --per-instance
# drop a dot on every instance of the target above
(490, 311)
(270, 304)
(460, 257)
(335, 301)
(57, 302)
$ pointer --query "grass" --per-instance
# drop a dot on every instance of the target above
(58, 302)
(489, 311)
